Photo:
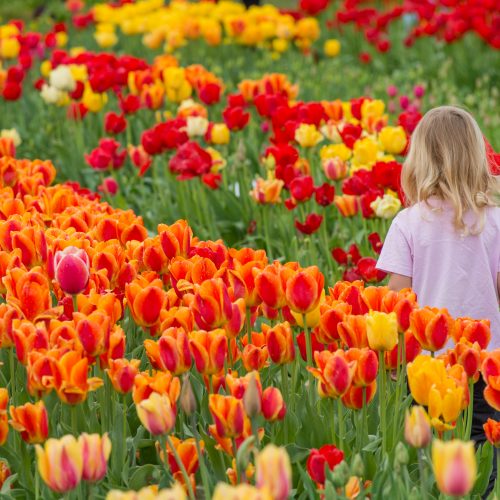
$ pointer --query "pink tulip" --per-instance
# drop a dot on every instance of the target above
(392, 91)
(72, 269)
(419, 91)
(109, 185)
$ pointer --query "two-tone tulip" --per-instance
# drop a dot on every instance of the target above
(31, 421)
(209, 350)
(358, 396)
(274, 472)
(492, 432)
(174, 350)
(4, 423)
(352, 331)
(228, 414)
(366, 365)
(280, 344)
(60, 463)
(211, 305)
(273, 404)
(145, 300)
(432, 327)
(122, 373)
(96, 450)
(72, 269)
(454, 465)
(490, 370)
(304, 290)
(334, 373)
(473, 330)
(156, 414)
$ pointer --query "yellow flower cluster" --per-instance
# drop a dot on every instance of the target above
(216, 23)
(9, 44)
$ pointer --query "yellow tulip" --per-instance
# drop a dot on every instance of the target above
(393, 140)
(382, 330)
(177, 492)
(335, 150)
(386, 206)
(9, 48)
(105, 39)
(61, 39)
(417, 427)
(455, 467)
(96, 451)
(423, 373)
(331, 48)
(220, 133)
(45, 68)
(60, 463)
(445, 404)
(365, 152)
(93, 102)
(243, 491)
(280, 45)
(312, 318)
(308, 135)
(273, 471)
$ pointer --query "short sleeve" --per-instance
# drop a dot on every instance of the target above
(396, 256)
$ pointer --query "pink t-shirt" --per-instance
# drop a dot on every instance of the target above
(447, 269)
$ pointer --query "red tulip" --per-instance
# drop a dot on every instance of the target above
(327, 456)
(311, 224)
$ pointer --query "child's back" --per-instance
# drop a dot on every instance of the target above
(447, 269)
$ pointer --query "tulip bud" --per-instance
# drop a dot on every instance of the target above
(187, 399)
(357, 466)
(96, 451)
(417, 428)
(401, 456)
(252, 399)
(72, 269)
(340, 475)
(492, 432)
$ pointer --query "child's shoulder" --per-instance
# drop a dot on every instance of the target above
(493, 216)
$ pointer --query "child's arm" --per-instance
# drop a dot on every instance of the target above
(398, 282)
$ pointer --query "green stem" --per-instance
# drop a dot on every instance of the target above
(382, 400)
(248, 320)
(75, 302)
(308, 342)
(124, 430)
(395, 426)
(74, 420)
(497, 483)
(12, 373)
(201, 458)
(181, 467)
(294, 382)
(470, 409)
(284, 388)
(332, 422)
(421, 468)
(235, 453)
(340, 418)
(364, 423)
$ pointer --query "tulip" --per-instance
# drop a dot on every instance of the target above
(267, 191)
(308, 135)
(60, 463)
(352, 331)
(254, 357)
(72, 270)
(417, 431)
(31, 420)
(274, 472)
(273, 405)
(490, 369)
(174, 350)
(382, 330)
(455, 468)
(228, 414)
(156, 414)
(280, 342)
(492, 432)
(358, 397)
(211, 305)
(4, 424)
(327, 456)
(122, 373)
(432, 327)
(473, 331)
(160, 382)
(366, 366)
(393, 140)
(96, 451)
(187, 453)
(243, 491)
(334, 373)
(331, 48)
(145, 300)
(4, 472)
(209, 350)
(304, 290)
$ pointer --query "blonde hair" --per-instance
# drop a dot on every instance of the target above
(447, 159)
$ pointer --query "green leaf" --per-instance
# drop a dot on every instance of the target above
(142, 476)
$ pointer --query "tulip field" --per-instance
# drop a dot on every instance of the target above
(193, 197)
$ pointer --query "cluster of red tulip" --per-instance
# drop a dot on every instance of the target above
(446, 20)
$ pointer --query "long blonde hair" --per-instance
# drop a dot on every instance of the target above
(447, 159)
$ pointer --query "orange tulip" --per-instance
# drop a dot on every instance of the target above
(490, 370)
(174, 350)
(334, 373)
(8, 314)
(178, 317)
(93, 331)
(432, 327)
(122, 373)
(29, 291)
(40, 370)
(242, 281)
(4, 424)
(228, 415)
(211, 305)
(27, 337)
(473, 331)
(160, 382)
(186, 450)
(304, 289)
(31, 420)
(352, 331)
(331, 316)
(116, 347)
(270, 284)
(356, 397)
(412, 350)
(467, 355)
(145, 300)
(492, 432)
(347, 205)
(273, 404)
(238, 317)
(70, 378)
(280, 342)
(366, 366)
(254, 357)
(175, 239)
(209, 350)
(4, 472)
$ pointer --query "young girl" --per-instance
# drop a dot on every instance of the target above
(446, 244)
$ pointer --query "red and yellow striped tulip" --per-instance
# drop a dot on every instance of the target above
(492, 432)
(122, 373)
(473, 331)
(96, 451)
(60, 463)
(432, 327)
(156, 414)
(366, 365)
(418, 432)
(273, 404)
(228, 414)
(4, 423)
(209, 350)
(352, 331)
(160, 382)
(280, 342)
(490, 369)
(304, 290)
(174, 350)
(356, 396)
(145, 300)
(211, 305)
(274, 472)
